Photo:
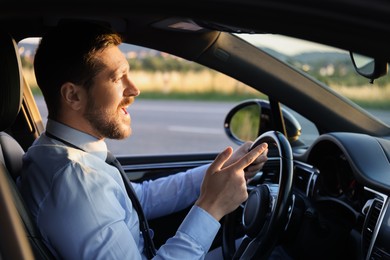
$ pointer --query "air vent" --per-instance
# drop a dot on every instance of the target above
(271, 170)
(304, 177)
(370, 223)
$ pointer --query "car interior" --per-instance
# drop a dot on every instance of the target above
(214, 46)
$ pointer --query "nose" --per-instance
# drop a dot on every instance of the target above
(130, 90)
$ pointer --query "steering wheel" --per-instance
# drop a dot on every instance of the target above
(268, 208)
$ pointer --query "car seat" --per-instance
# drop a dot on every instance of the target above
(23, 240)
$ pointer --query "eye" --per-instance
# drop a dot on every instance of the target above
(118, 78)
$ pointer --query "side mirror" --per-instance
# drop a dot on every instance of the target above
(251, 118)
(368, 67)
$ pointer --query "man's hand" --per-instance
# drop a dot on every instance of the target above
(256, 166)
(224, 186)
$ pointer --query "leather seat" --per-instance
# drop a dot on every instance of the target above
(25, 241)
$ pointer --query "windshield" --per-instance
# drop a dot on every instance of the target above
(331, 66)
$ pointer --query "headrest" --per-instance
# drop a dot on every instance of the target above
(11, 88)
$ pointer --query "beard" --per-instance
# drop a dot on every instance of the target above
(107, 123)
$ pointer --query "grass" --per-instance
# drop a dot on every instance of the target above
(209, 85)
(205, 96)
(369, 96)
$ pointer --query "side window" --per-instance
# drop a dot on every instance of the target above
(181, 108)
(182, 105)
(309, 131)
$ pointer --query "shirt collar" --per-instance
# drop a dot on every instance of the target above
(84, 141)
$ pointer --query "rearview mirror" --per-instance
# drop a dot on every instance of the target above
(251, 118)
(368, 67)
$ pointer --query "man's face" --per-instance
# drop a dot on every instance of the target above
(110, 95)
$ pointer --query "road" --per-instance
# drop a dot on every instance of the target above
(166, 127)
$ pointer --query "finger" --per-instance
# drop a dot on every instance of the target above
(261, 145)
(253, 169)
(217, 164)
(262, 158)
(255, 166)
(250, 156)
(247, 145)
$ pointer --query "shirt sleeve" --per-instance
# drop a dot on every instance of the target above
(170, 194)
(163, 196)
(193, 238)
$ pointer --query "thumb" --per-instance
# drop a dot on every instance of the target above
(220, 160)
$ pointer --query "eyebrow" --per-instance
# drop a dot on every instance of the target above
(118, 71)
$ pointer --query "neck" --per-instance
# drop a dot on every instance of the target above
(79, 123)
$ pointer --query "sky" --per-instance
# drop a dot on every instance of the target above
(30, 40)
(279, 43)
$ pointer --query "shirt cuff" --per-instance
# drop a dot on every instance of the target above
(197, 175)
(200, 226)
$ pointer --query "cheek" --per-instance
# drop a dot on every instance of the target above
(108, 100)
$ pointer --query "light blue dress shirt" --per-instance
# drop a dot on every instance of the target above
(81, 207)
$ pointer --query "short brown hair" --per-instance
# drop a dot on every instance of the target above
(66, 54)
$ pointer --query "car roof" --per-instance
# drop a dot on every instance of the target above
(327, 22)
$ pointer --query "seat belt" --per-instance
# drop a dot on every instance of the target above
(149, 248)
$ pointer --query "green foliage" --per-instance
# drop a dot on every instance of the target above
(163, 63)
(26, 62)
(245, 123)
(342, 73)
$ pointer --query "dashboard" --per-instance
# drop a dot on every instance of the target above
(345, 178)
(336, 181)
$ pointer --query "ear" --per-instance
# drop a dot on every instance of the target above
(73, 96)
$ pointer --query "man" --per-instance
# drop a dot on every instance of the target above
(79, 201)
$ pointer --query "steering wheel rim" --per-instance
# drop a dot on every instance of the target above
(260, 243)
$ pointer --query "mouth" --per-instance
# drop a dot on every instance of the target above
(124, 109)
(124, 105)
